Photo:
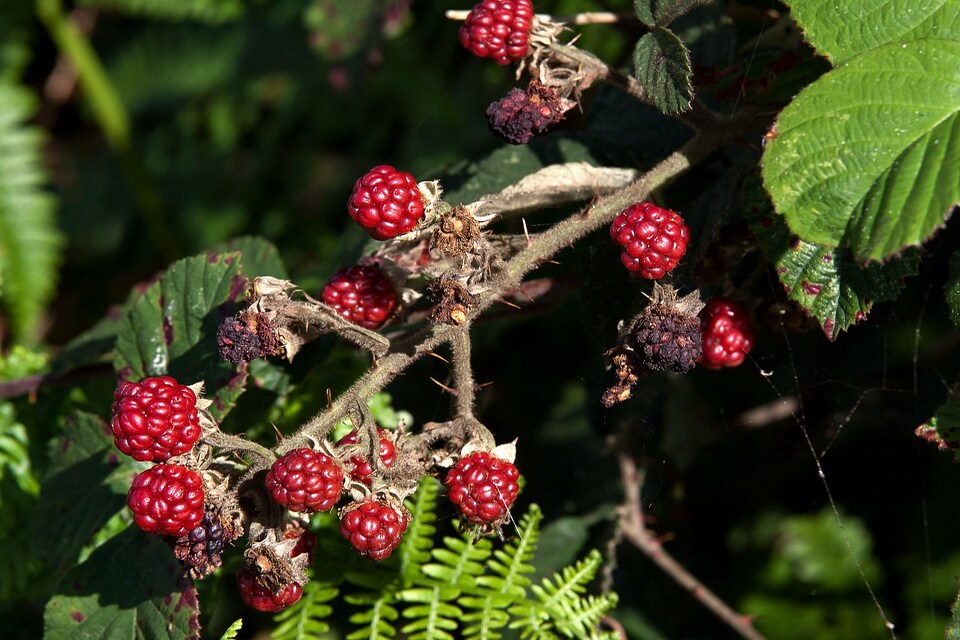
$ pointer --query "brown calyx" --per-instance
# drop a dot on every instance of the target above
(456, 233)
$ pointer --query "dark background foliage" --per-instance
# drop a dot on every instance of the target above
(259, 126)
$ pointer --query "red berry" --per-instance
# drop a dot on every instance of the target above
(727, 335)
(386, 202)
(498, 29)
(167, 499)
(360, 469)
(483, 487)
(362, 295)
(155, 419)
(373, 528)
(305, 480)
(261, 598)
(653, 239)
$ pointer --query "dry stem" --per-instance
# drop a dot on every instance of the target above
(637, 533)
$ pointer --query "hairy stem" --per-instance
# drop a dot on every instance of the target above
(462, 371)
(228, 442)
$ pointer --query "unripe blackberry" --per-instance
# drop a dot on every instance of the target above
(167, 499)
(498, 29)
(386, 202)
(360, 468)
(373, 528)
(520, 115)
(727, 334)
(200, 551)
(155, 419)
(305, 480)
(259, 596)
(483, 488)
(653, 239)
(666, 336)
(361, 295)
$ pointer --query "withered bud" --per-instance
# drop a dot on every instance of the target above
(456, 233)
(453, 302)
(246, 337)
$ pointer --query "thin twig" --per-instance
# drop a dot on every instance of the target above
(637, 533)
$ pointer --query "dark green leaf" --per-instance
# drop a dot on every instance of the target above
(662, 64)
(824, 281)
(867, 164)
(171, 329)
(258, 257)
(126, 590)
(841, 30)
(664, 12)
(86, 485)
(952, 289)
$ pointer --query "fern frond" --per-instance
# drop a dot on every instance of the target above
(232, 630)
(307, 618)
(582, 615)
(376, 621)
(213, 11)
(512, 564)
(460, 562)
(485, 618)
(433, 616)
(19, 487)
(564, 587)
(414, 551)
(29, 240)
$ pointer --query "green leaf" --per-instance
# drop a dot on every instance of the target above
(259, 257)
(824, 281)
(85, 486)
(414, 551)
(951, 291)
(662, 65)
(307, 618)
(841, 30)
(663, 12)
(171, 329)
(943, 427)
(29, 240)
(867, 157)
(232, 631)
(212, 11)
(127, 589)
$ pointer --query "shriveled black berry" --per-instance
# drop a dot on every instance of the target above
(246, 338)
(200, 551)
(667, 340)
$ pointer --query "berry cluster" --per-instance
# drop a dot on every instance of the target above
(727, 334)
(653, 239)
(522, 114)
(362, 295)
(386, 202)
(154, 420)
(483, 487)
(499, 30)
(360, 468)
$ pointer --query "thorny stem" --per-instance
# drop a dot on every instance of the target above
(229, 442)
(636, 532)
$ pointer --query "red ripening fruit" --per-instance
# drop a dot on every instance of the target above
(167, 499)
(362, 295)
(361, 470)
(483, 487)
(653, 239)
(498, 29)
(261, 598)
(306, 543)
(155, 419)
(305, 480)
(727, 334)
(386, 202)
(373, 528)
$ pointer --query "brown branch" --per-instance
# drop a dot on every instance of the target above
(635, 531)
(462, 373)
